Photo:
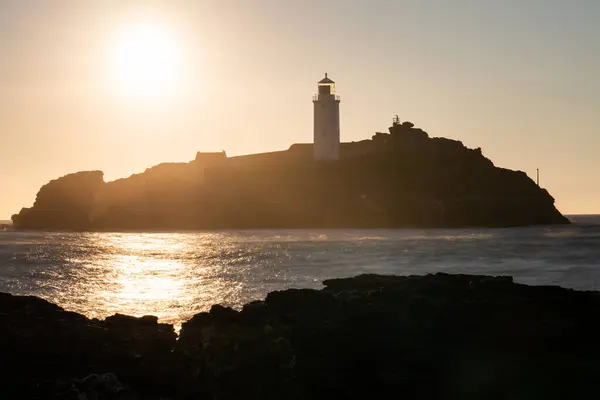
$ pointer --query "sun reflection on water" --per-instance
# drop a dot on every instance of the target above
(171, 275)
(144, 279)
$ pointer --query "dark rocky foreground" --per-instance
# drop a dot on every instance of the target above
(436, 336)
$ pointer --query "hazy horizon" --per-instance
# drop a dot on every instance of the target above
(516, 78)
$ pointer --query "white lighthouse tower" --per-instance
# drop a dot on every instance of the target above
(326, 145)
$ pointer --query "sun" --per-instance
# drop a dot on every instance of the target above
(146, 61)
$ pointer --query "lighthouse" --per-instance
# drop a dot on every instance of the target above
(326, 145)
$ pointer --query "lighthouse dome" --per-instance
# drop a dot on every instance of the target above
(326, 80)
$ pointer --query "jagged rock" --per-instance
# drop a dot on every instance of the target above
(438, 336)
(47, 347)
(371, 336)
(101, 387)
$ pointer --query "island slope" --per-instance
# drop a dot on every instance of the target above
(402, 178)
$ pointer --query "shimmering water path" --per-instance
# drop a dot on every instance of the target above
(175, 275)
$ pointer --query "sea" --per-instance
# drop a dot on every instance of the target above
(175, 275)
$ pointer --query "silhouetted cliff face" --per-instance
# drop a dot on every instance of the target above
(397, 179)
(148, 200)
(64, 203)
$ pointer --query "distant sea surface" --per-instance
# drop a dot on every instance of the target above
(175, 275)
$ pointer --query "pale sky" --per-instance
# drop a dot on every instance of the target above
(518, 78)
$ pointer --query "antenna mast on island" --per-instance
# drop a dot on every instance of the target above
(538, 176)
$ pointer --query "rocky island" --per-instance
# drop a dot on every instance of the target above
(415, 337)
(403, 178)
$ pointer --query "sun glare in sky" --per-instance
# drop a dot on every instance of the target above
(146, 61)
